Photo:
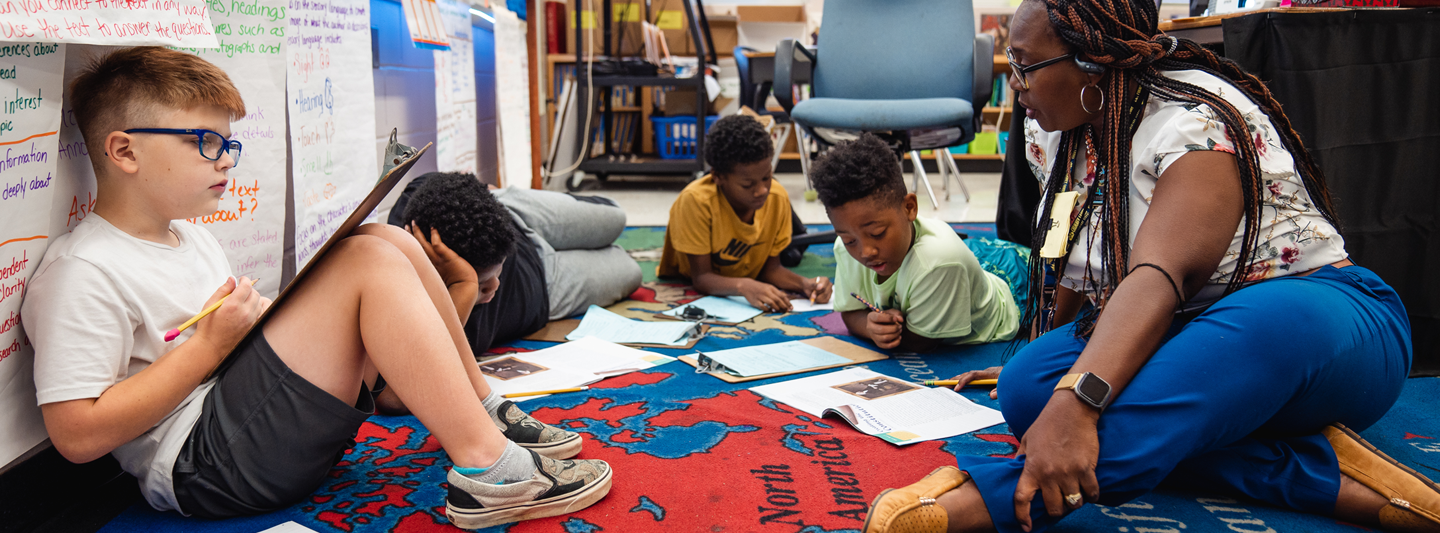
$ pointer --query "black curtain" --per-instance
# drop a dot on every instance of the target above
(1362, 89)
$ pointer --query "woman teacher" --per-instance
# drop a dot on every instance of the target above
(1231, 340)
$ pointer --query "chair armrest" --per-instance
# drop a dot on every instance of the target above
(793, 64)
(984, 75)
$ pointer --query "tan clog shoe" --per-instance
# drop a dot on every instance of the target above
(1414, 499)
(912, 509)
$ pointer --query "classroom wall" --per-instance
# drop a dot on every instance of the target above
(405, 92)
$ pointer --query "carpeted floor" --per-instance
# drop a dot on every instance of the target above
(692, 453)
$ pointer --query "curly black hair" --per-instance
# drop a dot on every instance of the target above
(470, 220)
(736, 140)
(862, 168)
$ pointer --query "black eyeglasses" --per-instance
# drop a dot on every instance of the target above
(211, 144)
(1021, 70)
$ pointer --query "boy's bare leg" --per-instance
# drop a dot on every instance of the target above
(435, 287)
(367, 301)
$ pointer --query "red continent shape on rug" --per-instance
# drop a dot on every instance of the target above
(788, 473)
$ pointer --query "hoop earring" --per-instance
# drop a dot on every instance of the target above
(1082, 99)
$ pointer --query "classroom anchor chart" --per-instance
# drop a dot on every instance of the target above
(110, 22)
(455, 112)
(30, 89)
(250, 223)
(331, 97)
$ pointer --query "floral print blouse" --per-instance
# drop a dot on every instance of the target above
(1294, 237)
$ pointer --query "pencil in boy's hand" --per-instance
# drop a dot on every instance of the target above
(817, 290)
(867, 304)
(170, 335)
(539, 392)
(954, 382)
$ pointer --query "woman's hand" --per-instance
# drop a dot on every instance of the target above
(764, 296)
(989, 373)
(1061, 449)
(885, 328)
(452, 268)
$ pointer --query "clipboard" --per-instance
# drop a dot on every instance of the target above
(707, 321)
(856, 354)
(557, 330)
(398, 160)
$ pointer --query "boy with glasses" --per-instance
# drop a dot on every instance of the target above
(263, 433)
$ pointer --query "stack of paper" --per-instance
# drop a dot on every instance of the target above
(797, 305)
(793, 356)
(609, 326)
(890, 408)
(567, 365)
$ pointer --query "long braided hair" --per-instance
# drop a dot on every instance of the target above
(1121, 35)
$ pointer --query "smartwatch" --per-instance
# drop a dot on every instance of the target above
(1089, 387)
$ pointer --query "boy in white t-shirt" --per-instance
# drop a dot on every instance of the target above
(262, 434)
(930, 288)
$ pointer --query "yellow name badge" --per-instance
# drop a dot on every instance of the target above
(1059, 225)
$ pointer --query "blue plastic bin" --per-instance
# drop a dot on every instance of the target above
(675, 136)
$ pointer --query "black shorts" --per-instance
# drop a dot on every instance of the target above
(266, 437)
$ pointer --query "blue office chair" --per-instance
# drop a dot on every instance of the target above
(911, 71)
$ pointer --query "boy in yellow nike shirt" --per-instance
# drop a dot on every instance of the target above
(727, 229)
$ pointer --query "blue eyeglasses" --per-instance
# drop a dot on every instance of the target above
(211, 144)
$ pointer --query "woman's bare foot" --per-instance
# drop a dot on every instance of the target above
(1358, 504)
(966, 510)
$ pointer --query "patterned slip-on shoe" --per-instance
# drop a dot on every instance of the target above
(912, 509)
(557, 487)
(1414, 499)
(534, 435)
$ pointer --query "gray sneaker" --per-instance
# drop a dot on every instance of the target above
(534, 435)
(557, 487)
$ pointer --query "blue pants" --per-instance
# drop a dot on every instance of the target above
(1233, 400)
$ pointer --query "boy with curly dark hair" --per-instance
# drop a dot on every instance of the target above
(928, 284)
(514, 259)
(263, 432)
(728, 229)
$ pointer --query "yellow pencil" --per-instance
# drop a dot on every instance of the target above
(170, 335)
(539, 392)
(953, 382)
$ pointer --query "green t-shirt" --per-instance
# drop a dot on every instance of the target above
(940, 288)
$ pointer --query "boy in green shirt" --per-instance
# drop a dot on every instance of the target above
(929, 287)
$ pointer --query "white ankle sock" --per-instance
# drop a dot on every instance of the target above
(492, 402)
(514, 465)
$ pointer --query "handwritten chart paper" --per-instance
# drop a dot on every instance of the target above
(30, 89)
(427, 29)
(456, 140)
(112, 22)
(332, 116)
(250, 223)
(512, 98)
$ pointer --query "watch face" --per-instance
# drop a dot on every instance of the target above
(1093, 390)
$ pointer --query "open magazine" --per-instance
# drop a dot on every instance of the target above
(891, 408)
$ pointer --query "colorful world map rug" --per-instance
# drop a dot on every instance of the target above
(692, 453)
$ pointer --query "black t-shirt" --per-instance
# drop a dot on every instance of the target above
(521, 305)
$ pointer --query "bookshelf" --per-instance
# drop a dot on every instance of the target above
(561, 65)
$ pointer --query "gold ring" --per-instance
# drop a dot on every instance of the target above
(1073, 499)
